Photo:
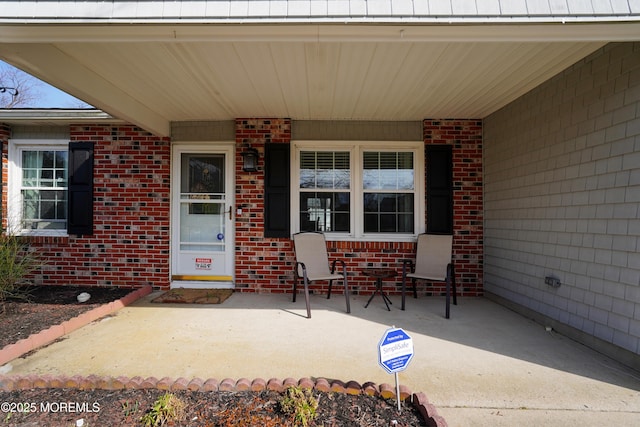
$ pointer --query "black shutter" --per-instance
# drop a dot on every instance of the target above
(276, 190)
(439, 189)
(80, 197)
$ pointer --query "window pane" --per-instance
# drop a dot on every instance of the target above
(325, 169)
(388, 213)
(320, 211)
(202, 173)
(388, 170)
(44, 208)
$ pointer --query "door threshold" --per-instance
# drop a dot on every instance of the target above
(199, 284)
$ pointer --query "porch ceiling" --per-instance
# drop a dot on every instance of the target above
(152, 75)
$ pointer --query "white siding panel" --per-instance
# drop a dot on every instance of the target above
(538, 7)
(619, 6)
(464, 7)
(193, 9)
(358, 7)
(218, 9)
(239, 8)
(439, 7)
(318, 8)
(559, 7)
(513, 7)
(402, 7)
(278, 8)
(580, 7)
(379, 7)
(299, 8)
(488, 7)
(421, 7)
(602, 6)
(258, 8)
(338, 8)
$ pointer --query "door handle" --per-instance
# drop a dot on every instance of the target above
(230, 212)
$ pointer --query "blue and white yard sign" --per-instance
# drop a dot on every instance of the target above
(395, 350)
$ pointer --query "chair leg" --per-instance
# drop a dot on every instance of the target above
(415, 291)
(329, 293)
(448, 297)
(295, 287)
(306, 297)
(453, 283)
(346, 293)
(404, 287)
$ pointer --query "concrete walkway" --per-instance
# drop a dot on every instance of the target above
(486, 366)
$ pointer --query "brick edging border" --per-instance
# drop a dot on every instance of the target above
(34, 341)
(24, 382)
(47, 336)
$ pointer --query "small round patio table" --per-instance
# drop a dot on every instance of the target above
(379, 274)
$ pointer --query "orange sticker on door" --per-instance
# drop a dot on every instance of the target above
(203, 263)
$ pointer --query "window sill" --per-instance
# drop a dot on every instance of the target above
(378, 238)
(42, 234)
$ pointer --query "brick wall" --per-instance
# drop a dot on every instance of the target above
(262, 264)
(266, 265)
(130, 244)
(466, 138)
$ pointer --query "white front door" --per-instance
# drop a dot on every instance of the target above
(202, 216)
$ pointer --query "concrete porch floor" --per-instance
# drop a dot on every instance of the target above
(486, 366)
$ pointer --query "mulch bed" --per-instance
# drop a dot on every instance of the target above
(49, 306)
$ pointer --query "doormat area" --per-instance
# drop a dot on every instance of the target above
(194, 296)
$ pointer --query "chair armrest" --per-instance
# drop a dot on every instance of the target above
(407, 263)
(304, 268)
(344, 266)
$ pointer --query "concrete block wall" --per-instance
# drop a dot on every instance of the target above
(562, 198)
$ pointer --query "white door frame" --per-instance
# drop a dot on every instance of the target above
(203, 281)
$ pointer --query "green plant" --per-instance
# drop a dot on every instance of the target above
(167, 407)
(129, 408)
(17, 262)
(300, 403)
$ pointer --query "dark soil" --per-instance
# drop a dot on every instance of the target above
(49, 306)
(46, 306)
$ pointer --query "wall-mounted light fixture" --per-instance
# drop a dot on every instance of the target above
(250, 160)
(11, 90)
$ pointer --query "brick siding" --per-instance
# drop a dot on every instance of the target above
(466, 138)
(130, 244)
(131, 241)
(266, 264)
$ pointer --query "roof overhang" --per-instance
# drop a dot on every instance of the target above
(155, 72)
(55, 116)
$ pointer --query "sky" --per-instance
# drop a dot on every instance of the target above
(55, 98)
(51, 97)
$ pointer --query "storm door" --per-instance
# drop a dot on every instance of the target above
(202, 227)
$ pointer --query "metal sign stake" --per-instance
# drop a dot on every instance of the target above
(398, 392)
(395, 351)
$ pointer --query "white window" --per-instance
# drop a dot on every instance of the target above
(358, 190)
(38, 179)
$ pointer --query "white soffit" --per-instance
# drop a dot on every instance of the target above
(152, 75)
